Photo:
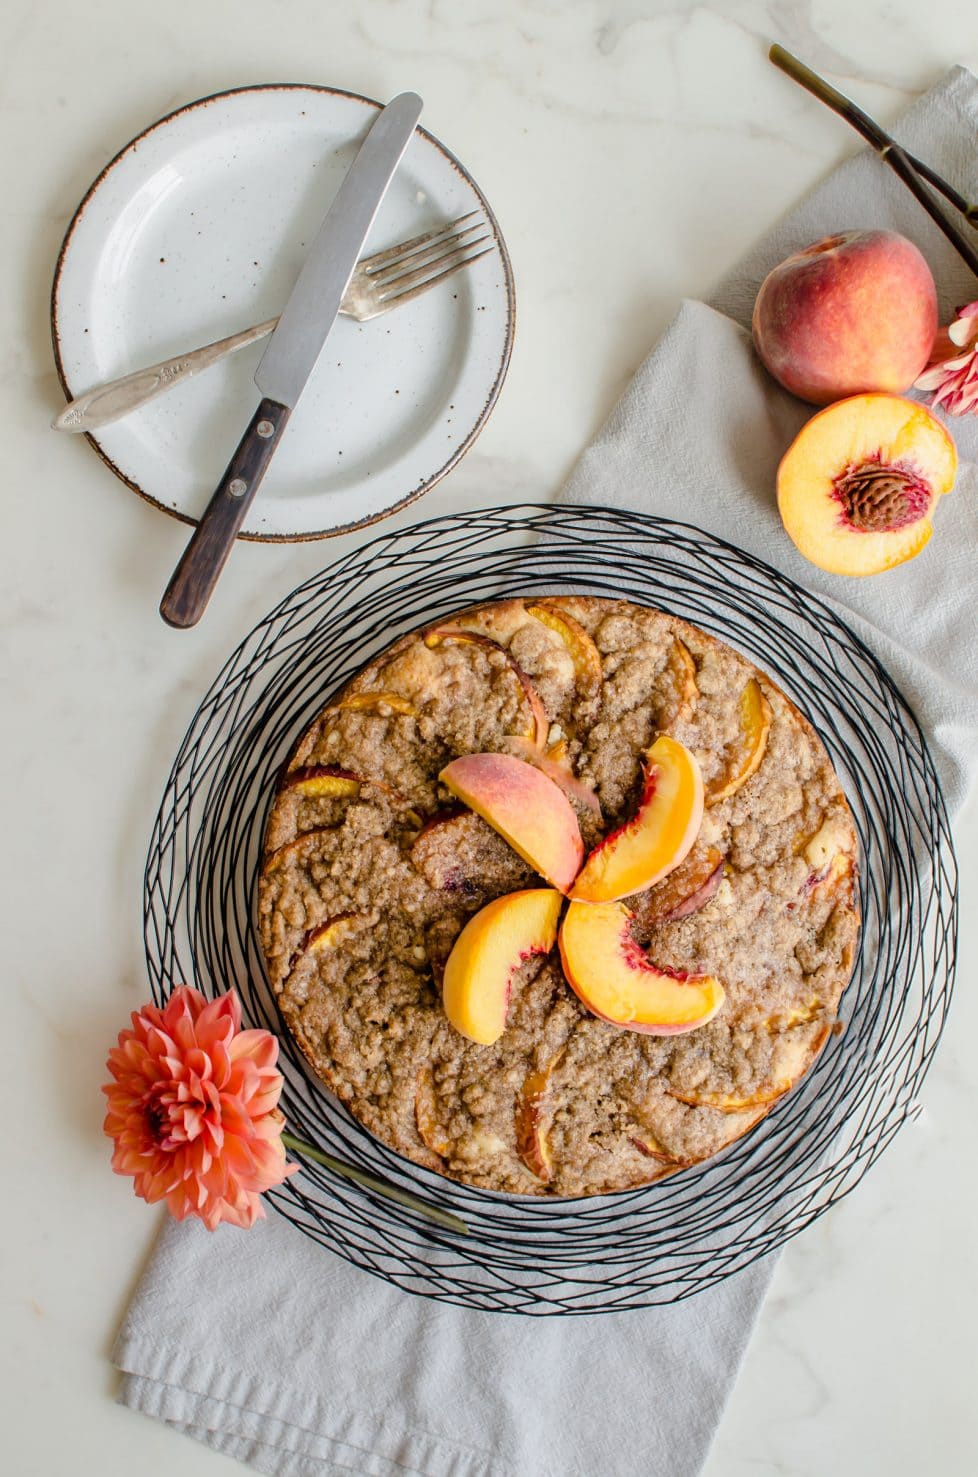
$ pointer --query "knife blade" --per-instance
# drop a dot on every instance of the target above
(291, 356)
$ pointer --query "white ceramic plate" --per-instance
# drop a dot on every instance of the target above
(198, 228)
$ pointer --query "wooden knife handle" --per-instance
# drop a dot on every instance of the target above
(205, 556)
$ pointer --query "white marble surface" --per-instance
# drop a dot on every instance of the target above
(631, 150)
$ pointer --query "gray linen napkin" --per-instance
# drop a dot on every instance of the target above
(272, 1350)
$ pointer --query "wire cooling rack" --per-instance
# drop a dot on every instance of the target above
(641, 1247)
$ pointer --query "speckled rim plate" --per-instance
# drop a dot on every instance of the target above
(197, 228)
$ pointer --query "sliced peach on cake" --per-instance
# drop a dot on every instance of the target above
(689, 888)
(539, 726)
(534, 1109)
(323, 781)
(487, 953)
(613, 976)
(583, 652)
(744, 756)
(679, 682)
(377, 702)
(829, 854)
(525, 807)
(326, 936)
(858, 486)
(658, 836)
(430, 1131)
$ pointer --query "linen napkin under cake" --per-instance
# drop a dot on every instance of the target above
(271, 1349)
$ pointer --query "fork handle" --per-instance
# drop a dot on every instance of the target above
(116, 398)
(194, 578)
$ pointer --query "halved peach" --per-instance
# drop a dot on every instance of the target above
(745, 754)
(859, 484)
(583, 652)
(488, 952)
(430, 1131)
(659, 835)
(685, 890)
(539, 727)
(799, 1050)
(617, 981)
(533, 1112)
(681, 689)
(525, 807)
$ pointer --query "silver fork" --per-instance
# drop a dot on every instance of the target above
(380, 282)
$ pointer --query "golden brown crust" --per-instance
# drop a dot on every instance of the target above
(563, 1103)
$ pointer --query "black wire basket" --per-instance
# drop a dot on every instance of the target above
(636, 1248)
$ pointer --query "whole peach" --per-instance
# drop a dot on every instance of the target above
(853, 313)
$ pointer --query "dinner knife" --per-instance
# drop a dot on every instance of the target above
(291, 356)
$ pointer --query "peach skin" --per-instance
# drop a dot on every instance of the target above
(616, 980)
(658, 836)
(852, 313)
(526, 807)
(488, 952)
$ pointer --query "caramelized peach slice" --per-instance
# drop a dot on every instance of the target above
(376, 702)
(685, 890)
(799, 1050)
(322, 780)
(583, 652)
(326, 936)
(616, 980)
(432, 1135)
(301, 846)
(533, 1114)
(486, 955)
(682, 692)
(325, 781)
(539, 727)
(525, 807)
(745, 754)
(659, 835)
(828, 854)
(858, 486)
(649, 1145)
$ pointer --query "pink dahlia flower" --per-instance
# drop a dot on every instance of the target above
(193, 1109)
(952, 373)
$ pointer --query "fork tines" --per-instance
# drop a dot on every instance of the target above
(406, 270)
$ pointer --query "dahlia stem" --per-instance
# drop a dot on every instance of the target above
(911, 170)
(371, 1182)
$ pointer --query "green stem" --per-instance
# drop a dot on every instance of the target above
(390, 1192)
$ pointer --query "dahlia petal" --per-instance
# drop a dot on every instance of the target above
(259, 1047)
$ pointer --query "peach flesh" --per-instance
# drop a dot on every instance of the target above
(659, 835)
(858, 486)
(615, 979)
(487, 953)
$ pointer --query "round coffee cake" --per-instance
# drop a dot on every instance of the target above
(372, 870)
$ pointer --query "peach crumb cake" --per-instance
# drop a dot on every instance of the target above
(559, 896)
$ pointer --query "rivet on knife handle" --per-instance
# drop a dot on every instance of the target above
(206, 554)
